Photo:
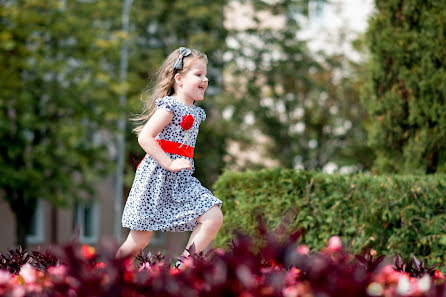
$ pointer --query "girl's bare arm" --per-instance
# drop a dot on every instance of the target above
(160, 119)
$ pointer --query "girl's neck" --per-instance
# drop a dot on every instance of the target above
(183, 100)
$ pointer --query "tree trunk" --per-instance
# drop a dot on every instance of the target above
(432, 162)
(21, 230)
(23, 209)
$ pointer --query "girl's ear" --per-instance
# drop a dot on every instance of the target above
(179, 79)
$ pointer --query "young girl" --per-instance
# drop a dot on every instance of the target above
(164, 195)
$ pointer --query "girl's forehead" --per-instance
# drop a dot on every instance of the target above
(198, 64)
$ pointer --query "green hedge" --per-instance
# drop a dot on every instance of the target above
(391, 214)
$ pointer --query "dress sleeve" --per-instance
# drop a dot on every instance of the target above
(166, 103)
(202, 114)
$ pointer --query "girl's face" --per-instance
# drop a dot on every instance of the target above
(194, 82)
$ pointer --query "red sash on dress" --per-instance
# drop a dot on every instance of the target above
(174, 148)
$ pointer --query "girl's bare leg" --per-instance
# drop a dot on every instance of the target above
(208, 225)
(136, 240)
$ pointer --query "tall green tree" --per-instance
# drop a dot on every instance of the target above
(57, 83)
(405, 92)
(302, 101)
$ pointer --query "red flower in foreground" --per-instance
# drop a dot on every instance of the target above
(187, 122)
(88, 251)
(334, 244)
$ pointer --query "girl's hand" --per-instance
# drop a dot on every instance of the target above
(180, 164)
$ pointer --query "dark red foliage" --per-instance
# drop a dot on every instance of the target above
(368, 263)
(273, 269)
(414, 268)
(42, 261)
(149, 259)
(14, 260)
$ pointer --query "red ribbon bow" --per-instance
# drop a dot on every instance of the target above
(187, 122)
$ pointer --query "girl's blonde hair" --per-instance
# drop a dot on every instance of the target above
(164, 84)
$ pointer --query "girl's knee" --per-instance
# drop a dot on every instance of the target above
(212, 217)
(218, 217)
(140, 238)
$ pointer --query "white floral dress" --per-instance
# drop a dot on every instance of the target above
(164, 200)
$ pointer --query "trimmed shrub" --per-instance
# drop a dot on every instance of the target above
(392, 214)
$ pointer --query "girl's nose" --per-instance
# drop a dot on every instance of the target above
(205, 79)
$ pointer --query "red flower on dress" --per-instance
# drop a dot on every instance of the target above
(187, 122)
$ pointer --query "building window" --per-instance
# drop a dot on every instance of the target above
(35, 231)
(86, 220)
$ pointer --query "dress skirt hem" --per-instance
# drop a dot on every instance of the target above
(183, 226)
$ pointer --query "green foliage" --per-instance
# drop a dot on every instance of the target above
(405, 93)
(392, 214)
(56, 81)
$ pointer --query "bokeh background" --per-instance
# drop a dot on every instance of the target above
(338, 86)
